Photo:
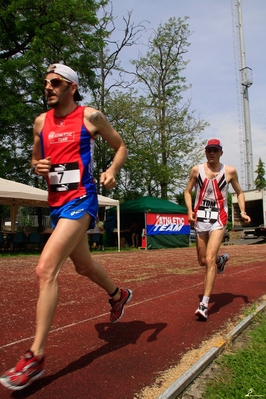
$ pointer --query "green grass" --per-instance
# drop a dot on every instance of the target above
(243, 373)
(8, 254)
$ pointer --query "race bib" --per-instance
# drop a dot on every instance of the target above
(207, 214)
(64, 177)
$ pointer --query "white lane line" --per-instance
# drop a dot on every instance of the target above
(128, 306)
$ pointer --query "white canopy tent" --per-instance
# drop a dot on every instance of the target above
(17, 194)
(105, 201)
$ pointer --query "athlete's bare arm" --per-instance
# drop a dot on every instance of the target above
(97, 124)
(232, 177)
(187, 193)
(41, 166)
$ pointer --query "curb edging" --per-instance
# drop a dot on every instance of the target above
(182, 382)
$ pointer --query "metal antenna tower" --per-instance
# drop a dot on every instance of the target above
(243, 81)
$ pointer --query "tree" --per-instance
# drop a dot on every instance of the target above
(161, 133)
(126, 112)
(110, 76)
(170, 144)
(260, 181)
(34, 34)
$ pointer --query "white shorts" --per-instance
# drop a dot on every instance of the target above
(202, 228)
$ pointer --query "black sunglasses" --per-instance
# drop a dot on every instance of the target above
(55, 82)
(212, 149)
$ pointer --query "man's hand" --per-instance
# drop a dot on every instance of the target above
(43, 166)
(245, 217)
(108, 180)
(191, 217)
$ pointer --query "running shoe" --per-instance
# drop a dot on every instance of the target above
(202, 311)
(221, 263)
(117, 308)
(28, 369)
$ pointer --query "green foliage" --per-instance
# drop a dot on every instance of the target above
(170, 134)
(229, 202)
(161, 133)
(181, 200)
(260, 181)
(110, 78)
(34, 34)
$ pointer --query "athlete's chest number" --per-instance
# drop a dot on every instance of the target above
(64, 177)
(207, 214)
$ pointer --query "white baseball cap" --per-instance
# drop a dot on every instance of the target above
(68, 73)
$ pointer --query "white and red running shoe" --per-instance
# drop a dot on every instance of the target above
(28, 369)
(117, 308)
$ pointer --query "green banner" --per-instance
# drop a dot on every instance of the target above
(167, 241)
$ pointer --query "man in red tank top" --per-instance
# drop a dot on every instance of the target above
(209, 216)
(63, 153)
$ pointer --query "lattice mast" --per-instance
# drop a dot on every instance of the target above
(244, 81)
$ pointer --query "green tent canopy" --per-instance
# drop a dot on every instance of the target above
(151, 204)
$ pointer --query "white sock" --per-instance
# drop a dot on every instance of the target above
(205, 300)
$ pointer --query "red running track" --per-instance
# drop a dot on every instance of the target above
(88, 357)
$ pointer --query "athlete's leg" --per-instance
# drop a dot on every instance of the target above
(213, 245)
(86, 266)
(201, 246)
(66, 236)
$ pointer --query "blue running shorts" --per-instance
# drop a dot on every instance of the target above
(76, 209)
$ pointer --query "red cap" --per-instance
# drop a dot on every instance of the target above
(214, 143)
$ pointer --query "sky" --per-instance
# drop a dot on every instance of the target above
(211, 70)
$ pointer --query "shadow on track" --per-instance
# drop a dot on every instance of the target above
(116, 337)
